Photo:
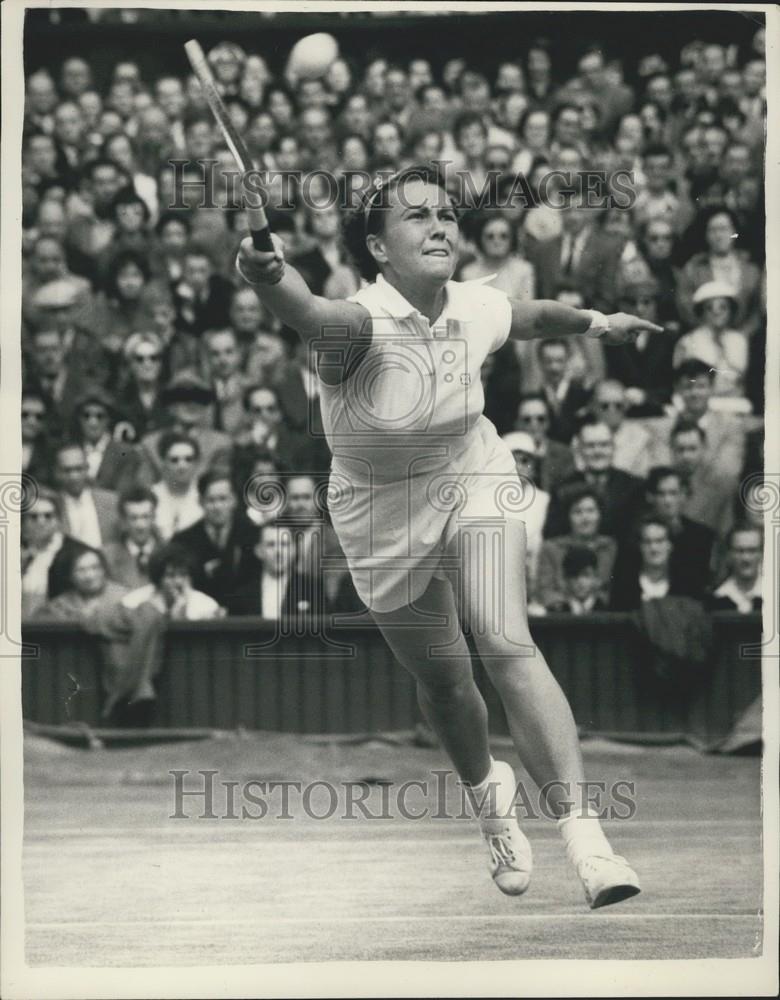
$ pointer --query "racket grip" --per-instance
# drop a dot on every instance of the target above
(261, 239)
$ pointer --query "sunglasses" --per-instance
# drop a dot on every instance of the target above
(496, 236)
(42, 515)
(264, 409)
(660, 238)
(94, 414)
(33, 414)
(611, 405)
(533, 420)
(140, 358)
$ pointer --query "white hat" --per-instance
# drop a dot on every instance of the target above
(520, 441)
(58, 294)
(713, 290)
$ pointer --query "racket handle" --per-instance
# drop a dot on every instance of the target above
(261, 239)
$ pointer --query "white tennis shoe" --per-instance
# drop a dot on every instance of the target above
(608, 879)
(510, 857)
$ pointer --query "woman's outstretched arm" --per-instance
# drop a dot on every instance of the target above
(546, 318)
(284, 292)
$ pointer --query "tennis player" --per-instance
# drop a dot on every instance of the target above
(420, 495)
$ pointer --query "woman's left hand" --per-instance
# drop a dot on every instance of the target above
(625, 328)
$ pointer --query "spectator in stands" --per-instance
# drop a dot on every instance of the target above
(202, 298)
(178, 503)
(710, 493)
(324, 267)
(188, 403)
(742, 589)
(536, 501)
(128, 558)
(223, 365)
(497, 255)
(632, 441)
(139, 397)
(271, 587)
(89, 593)
(644, 366)
(265, 428)
(566, 398)
(170, 591)
(619, 492)
(692, 543)
(652, 576)
(89, 514)
(124, 306)
(218, 539)
(37, 435)
(94, 417)
(716, 342)
(723, 263)
(43, 539)
(554, 460)
(583, 254)
(582, 584)
(583, 514)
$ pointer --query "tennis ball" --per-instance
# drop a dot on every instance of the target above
(312, 56)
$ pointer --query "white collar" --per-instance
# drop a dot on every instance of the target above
(454, 305)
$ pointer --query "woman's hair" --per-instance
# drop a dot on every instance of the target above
(78, 553)
(171, 556)
(128, 196)
(135, 340)
(484, 219)
(120, 261)
(580, 491)
(368, 218)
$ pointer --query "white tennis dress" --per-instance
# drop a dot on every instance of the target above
(413, 454)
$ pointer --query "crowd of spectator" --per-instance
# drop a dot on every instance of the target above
(173, 426)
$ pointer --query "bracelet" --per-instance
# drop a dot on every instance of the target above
(599, 324)
(238, 268)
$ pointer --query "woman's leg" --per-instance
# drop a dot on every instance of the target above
(490, 589)
(446, 691)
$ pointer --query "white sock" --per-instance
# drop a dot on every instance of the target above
(491, 796)
(583, 836)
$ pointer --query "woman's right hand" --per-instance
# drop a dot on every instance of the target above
(259, 267)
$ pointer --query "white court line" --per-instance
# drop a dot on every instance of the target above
(373, 919)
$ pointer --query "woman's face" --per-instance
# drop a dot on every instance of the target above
(719, 234)
(419, 241)
(496, 240)
(89, 577)
(130, 217)
(584, 518)
(175, 584)
(130, 282)
(717, 313)
(354, 156)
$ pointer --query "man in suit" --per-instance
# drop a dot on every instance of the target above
(620, 493)
(298, 392)
(567, 398)
(583, 255)
(188, 403)
(106, 458)
(270, 586)
(222, 363)
(218, 541)
(90, 515)
(725, 435)
(60, 371)
(554, 460)
(46, 551)
(693, 544)
(711, 492)
(128, 558)
(265, 426)
(741, 590)
(202, 298)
